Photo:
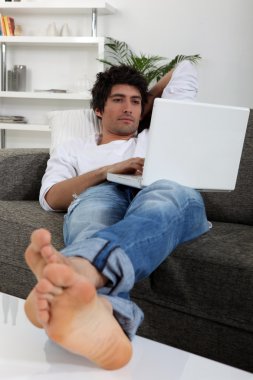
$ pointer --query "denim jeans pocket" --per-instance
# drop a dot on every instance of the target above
(70, 210)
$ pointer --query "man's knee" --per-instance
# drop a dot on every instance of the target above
(166, 189)
(168, 185)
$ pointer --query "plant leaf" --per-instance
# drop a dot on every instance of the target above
(151, 66)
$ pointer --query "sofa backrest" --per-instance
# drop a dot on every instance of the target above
(21, 171)
(236, 206)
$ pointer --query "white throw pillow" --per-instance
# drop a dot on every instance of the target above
(67, 124)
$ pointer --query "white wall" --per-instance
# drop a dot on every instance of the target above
(221, 31)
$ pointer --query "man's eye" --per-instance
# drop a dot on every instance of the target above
(117, 100)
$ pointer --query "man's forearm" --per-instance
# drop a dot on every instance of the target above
(60, 195)
(156, 91)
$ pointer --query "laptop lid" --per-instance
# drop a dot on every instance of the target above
(195, 144)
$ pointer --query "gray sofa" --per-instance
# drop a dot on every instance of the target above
(201, 297)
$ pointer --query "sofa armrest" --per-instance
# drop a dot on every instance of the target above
(21, 171)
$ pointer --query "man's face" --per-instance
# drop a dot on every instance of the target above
(122, 112)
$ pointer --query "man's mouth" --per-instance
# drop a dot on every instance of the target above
(126, 119)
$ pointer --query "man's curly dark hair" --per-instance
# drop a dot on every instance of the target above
(117, 75)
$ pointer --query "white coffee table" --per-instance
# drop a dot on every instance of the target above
(26, 353)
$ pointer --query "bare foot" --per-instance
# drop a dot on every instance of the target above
(39, 253)
(79, 320)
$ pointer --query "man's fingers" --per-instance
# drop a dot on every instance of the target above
(137, 161)
(131, 165)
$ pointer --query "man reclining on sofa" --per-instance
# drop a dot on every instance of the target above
(114, 235)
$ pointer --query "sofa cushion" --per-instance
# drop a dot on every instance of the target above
(236, 206)
(211, 277)
(21, 171)
(188, 332)
(18, 219)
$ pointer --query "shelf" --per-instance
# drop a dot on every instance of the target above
(48, 40)
(64, 7)
(32, 45)
(45, 95)
(25, 127)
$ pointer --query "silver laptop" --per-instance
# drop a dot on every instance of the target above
(195, 144)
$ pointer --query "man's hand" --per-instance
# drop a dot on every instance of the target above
(130, 166)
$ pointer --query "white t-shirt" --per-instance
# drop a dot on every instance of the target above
(76, 157)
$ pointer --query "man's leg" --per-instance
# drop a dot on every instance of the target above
(67, 306)
(160, 217)
(86, 215)
(94, 209)
(97, 208)
(40, 252)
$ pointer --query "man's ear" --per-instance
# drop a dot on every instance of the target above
(98, 113)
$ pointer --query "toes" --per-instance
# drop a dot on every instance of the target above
(43, 316)
(40, 238)
(42, 305)
(59, 274)
(49, 254)
(46, 290)
(43, 311)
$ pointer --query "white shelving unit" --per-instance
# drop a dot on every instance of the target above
(27, 127)
(17, 49)
(73, 6)
(45, 95)
(68, 41)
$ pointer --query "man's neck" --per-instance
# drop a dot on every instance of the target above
(106, 139)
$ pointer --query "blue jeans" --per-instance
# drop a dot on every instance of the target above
(126, 235)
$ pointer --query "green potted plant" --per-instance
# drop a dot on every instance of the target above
(153, 67)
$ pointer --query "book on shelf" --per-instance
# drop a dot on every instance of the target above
(13, 119)
(53, 90)
(2, 26)
(7, 25)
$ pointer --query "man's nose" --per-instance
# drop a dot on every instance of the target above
(127, 107)
(128, 111)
